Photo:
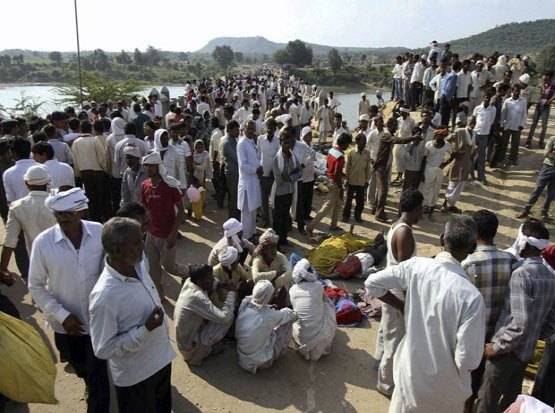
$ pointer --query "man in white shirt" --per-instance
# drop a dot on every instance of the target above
(127, 323)
(513, 119)
(485, 115)
(268, 146)
(248, 189)
(61, 174)
(338, 128)
(397, 78)
(440, 298)
(242, 113)
(464, 80)
(203, 106)
(479, 79)
(333, 102)
(416, 82)
(13, 177)
(62, 151)
(66, 261)
(305, 185)
(363, 105)
(28, 214)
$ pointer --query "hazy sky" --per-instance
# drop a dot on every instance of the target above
(187, 25)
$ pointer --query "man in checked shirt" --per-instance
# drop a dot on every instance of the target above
(527, 315)
(489, 269)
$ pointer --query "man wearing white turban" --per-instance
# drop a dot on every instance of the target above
(262, 333)
(527, 316)
(161, 196)
(233, 235)
(66, 262)
(199, 324)
(314, 331)
(28, 214)
(271, 265)
(230, 269)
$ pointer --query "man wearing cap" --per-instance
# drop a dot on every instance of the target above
(268, 146)
(66, 262)
(133, 176)
(363, 105)
(161, 195)
(28, 214)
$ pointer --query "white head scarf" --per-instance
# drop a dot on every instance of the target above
(157, 141)
(227, 256)
(262, 294)
(302, 272)
(132, 150)
(67, 201)
(118, 126)
(37, 175)
(521, 241)
(231, 228)
(154, 158)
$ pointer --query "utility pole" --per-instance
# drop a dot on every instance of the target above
(78, 54)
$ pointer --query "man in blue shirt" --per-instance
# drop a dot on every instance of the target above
(447, 92)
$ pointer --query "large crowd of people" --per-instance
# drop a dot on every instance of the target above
(93, 201)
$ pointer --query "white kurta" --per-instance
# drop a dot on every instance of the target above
(249, 161)
(314, 331)
(256, 333)
(445, 329)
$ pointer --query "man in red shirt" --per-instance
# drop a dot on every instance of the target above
(333, 203)
(161, 196)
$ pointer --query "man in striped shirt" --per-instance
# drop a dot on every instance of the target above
(528, 314)
(489, 269)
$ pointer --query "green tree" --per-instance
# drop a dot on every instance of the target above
(56, 57)
(238, 56)
(546, 58)
(138, 58)
(296, 53)
(183, 57)
(223, 55)
(25, 107)
(335, 61)
(123, 58)
(99, 89)
(152, 56)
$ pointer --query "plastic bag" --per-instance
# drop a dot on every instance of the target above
(28, 371)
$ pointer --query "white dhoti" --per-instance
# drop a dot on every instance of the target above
(371, 192)
(281, 336)
(431, 187)
(399, 153)
(453, 192)
(208, 335)
(392, 327)
(248, 218)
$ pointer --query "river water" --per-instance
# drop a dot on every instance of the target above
(47, 94)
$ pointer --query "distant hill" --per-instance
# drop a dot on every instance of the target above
(261, 45)
(511, 38)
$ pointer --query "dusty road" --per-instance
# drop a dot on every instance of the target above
(341, 382)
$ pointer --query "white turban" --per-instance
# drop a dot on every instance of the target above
(305, 131)
(525, 78)
(405, 110)
(132, 150)
(118, 126)
(521, 241)
(268, 237)
(67, 201)
(227, 256)
(36, 175)
(154, 158)
(231, 228)
(262, 293)
(283, 118)
(362, 95)
(302, 272)
(158, 142)
(365, 117)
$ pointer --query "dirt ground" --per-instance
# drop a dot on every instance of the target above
(345, 380)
